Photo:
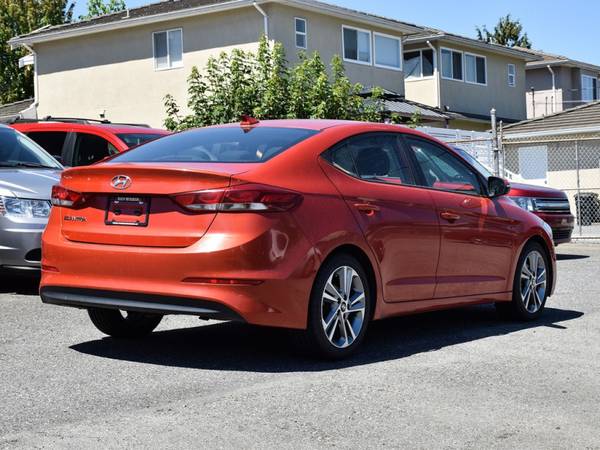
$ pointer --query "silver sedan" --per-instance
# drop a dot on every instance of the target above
(27, 174)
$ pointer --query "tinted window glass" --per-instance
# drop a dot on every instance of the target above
(441, 169)
(51, 141)
(17, 150)
(229, 144)
(427, 63)
(134, 139)
(90, 148)
(373, 157)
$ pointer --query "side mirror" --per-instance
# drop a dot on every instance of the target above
(497, 187)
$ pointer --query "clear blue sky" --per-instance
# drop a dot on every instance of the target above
(568, 28)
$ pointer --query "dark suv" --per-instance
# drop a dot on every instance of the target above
(551, 205)
(81, 142)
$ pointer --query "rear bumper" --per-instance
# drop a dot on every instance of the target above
(562, 226)
(156, 304)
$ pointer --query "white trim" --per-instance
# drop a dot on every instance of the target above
(400, 55)
(305, 33)
(358, 61)
(421, 77)
(514, 75)
(462, 63)
(170, 65)
(465, 68)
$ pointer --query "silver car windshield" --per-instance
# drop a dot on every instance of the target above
(17, 150)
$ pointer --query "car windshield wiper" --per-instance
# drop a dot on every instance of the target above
(27, 164)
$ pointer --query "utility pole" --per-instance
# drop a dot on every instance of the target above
(495, 151)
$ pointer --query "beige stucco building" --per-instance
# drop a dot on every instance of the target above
(121, 66)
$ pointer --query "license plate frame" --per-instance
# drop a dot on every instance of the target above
(130, 210)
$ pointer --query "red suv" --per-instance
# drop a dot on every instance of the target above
(551, 205)
(81, 142)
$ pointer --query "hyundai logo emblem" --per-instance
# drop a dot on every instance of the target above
(121, 182)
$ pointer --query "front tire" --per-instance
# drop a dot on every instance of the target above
(339, 310)
(530, 286)
(126, 324)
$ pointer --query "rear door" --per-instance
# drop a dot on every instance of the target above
(476, 235)
(398, 219)
(89, 148)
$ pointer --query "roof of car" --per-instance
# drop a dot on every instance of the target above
(308, 124)
(110, 128)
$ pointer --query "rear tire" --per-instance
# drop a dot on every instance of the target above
(530, 285)
(126, 324)
(339, 310)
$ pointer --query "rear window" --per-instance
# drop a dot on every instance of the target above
(223, 145)
(135, 139)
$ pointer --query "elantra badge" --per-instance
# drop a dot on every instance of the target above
(121, 182)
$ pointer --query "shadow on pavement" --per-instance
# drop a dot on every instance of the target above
(566, 257)
(241, 347)
(19, 283)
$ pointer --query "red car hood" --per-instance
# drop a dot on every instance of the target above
(529, 190)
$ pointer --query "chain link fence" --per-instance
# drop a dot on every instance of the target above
(569, 162)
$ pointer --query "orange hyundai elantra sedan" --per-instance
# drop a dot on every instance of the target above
(315, 226)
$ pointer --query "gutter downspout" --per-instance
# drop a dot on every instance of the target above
(35, 75)
(265, 18)
(553, 88)
(437, 74)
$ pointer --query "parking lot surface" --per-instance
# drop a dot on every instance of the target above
(453, 379)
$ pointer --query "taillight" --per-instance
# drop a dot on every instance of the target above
(61, 196)
(239, 198)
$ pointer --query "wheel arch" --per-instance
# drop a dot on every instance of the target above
(544, 244)
(363, 258)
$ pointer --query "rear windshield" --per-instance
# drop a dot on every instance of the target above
(135, 139)
(223, 145)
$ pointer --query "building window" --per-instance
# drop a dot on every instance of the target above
(475, 69)
(388, 51)
(512, 75)
(589, 88)
(168, 49)
(418, 63)
(301, 33)
(452, 64)
(357, 45)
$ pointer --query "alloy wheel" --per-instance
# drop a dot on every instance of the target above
(343, 307)
(533, 282)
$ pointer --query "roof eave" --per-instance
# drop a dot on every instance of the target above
(331, 10)
(475, 43)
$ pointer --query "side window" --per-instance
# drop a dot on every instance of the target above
(301, 32)
(442, 170)
(51, 141)
(373, 157)
(90, 148)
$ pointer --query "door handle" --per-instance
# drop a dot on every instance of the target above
(366, 208)
(449, 216)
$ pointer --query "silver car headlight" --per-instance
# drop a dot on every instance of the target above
(24, 208)
(527, 203)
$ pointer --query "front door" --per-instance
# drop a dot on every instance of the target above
(477, 237)
(397, 218)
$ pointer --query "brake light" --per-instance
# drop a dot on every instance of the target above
(61, 196)
(239, 198)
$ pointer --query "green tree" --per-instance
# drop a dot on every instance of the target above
(508, 32)
(240, 82)
(102, 7)
(19, 17)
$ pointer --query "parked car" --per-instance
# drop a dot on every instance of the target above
(551, 205)
(317, 226)
(81, 142)
(27, 174)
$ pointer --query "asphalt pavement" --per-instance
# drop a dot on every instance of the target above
(452, 379)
